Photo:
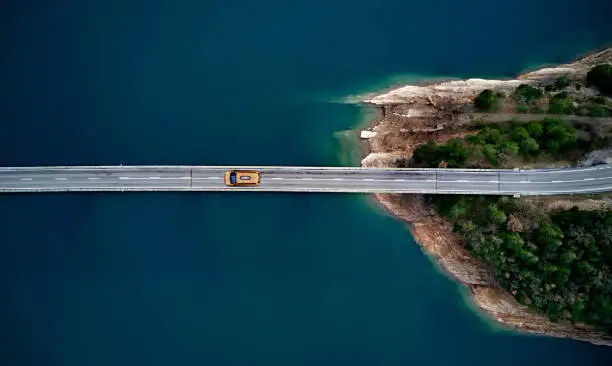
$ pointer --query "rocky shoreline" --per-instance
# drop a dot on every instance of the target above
(411, 115)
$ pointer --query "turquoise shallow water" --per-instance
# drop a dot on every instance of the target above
(158, 279)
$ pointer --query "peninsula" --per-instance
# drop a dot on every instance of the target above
(541, 265)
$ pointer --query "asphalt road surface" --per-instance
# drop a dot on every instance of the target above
(309, 179)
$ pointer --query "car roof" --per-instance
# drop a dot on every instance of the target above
(254, 175)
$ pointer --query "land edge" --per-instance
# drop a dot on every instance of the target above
(433, 233)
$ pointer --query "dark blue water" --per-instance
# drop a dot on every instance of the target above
(240, 279)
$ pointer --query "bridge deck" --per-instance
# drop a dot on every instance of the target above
(309, 179)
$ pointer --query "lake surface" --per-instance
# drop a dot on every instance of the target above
(241, 279)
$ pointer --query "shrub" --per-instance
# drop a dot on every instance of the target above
(522, 108)
(529, 146)
(490, 154)
(528, 94)
(597, 111)
(485, 100)
(601, 77)
(535, 129)
(598, 100)
(431, 154)
(558, 135)
(561, 82)
(560, 104)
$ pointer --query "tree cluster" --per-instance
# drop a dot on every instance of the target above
(432, 154)
(497, 143)
(559, 265)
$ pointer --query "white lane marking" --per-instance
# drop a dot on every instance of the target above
(368, 179)
(493, 181)
(26, 179)
(540, 193)
(570, 170)
(61, 178)
(462, 181)
(357, 180)
(338, 179)
(93, 178)
(558, 181)
(276, 178)
(166, 178)
(584, 190)
(430, 180)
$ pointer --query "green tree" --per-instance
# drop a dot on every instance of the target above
(562, 82)
(485, 100)
(510, 148)
(560, 104)
(529, 146)
(529, 257)
(535, 129)
(457, 211)
(597, 111)
(494, 136)
(497, 216)
(528, 94)
(427, 154)
(601, 76)
(550, 235)
(519, 134)
(474, 139)
(522, 108)
(490, 154)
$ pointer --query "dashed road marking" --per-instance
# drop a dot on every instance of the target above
(61, 178)
(26, 179)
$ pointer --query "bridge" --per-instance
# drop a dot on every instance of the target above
(596, 179)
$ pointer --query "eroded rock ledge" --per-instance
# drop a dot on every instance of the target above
(411, 115)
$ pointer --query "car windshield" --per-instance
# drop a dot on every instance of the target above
(233, 177)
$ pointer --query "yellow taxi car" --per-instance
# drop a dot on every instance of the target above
(242, 178)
